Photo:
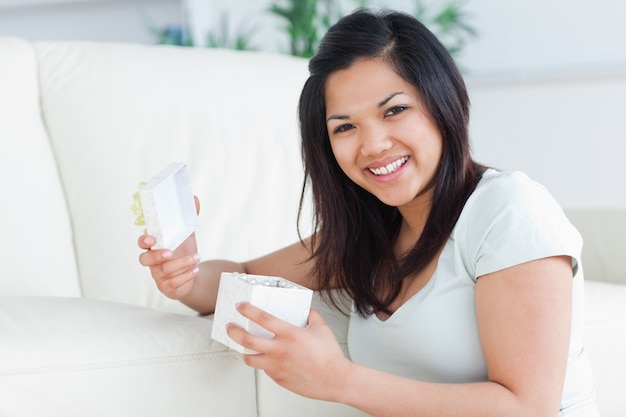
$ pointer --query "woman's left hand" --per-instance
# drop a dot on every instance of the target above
(307, 361)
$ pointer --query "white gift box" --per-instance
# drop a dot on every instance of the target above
(168, 206)
(277, 296)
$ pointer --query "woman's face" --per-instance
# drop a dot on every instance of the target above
(381, 133)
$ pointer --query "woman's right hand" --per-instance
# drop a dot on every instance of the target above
(172, 271)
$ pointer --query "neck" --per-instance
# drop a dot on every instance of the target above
(414, 217)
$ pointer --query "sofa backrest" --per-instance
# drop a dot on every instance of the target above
(36, 245)
(116, 114)
(604, 241)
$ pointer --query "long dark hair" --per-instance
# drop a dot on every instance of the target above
(354, 232)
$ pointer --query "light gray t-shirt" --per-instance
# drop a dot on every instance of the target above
(508, 220)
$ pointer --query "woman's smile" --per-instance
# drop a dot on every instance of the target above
(390, 168)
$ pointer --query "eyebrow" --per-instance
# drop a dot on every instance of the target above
(385, 101)
(379, 105)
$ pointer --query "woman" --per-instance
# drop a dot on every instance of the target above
(467, 296)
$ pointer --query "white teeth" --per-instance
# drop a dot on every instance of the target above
(389, 168)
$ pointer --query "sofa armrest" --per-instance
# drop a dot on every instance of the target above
(604, 241)
(605, 343)
(71, 357)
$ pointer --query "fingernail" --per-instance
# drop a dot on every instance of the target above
(167, 254)
(237, 305)
(196, 257)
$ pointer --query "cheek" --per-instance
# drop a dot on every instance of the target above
(347, 152)
(345, 158)
(343, 154)
(438, 151)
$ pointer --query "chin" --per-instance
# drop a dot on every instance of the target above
(395, 201)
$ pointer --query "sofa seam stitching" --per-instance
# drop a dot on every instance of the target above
(95, 366)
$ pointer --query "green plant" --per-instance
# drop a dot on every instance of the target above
(180, 35)
(307, 21)
(169, 34)
(449, 23)
(223, 39)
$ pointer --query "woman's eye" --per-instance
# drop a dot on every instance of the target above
(395, 110)
(342, 128)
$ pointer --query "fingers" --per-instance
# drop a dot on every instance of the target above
(164, 264)
(173, 272)
(175, 266)
(315, 318)
(177, 286)
(145, 241)
(162, 256)
(154, 257)
(280, 328)
(175, 277)
(248, 340)
(264, 319)
(197, 201)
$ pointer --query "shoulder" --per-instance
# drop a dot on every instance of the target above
(510, 197)
(514, 189)
(510, 219)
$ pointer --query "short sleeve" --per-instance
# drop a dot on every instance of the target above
(511, 219)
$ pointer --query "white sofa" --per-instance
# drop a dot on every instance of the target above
(83, 331)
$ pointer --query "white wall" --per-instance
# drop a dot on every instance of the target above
(97, 20)
(539, 37)
(567, 133)
(547, 80)
(546, 77)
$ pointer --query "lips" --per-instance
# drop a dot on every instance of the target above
(390, 168)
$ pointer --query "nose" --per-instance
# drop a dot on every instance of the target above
(375, 140)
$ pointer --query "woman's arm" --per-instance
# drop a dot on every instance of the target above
(524, 315)
(179, 275)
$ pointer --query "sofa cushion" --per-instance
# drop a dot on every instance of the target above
(80, 357)
(604, 241)
(36, 233)
(605, 341)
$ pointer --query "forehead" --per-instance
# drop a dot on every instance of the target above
(365, 82)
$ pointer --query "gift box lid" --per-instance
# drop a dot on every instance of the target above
(169, 207)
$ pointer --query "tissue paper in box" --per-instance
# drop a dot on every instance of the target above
(168, 206)
(277, 296)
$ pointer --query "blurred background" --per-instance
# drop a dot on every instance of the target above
(546, 78)
(534, 38)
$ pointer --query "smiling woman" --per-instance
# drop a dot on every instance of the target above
(463, 278)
